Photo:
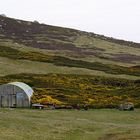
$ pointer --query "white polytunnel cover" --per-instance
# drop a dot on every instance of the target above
(27, 89)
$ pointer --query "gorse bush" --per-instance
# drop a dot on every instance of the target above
(97, 92)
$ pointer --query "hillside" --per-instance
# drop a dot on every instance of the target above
(32, 52)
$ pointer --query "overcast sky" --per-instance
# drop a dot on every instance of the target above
(116, 18)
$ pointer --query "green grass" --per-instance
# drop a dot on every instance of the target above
(12, 66)
(11, 53)
(23, 124)
(109, 47)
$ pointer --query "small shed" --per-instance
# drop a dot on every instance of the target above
(15, 94)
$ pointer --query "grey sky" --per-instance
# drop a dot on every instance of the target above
(116, 18)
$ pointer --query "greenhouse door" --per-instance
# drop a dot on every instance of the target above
(12, 100)
(20, 99)
(5, 101)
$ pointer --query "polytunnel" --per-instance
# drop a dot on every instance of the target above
(15, 94)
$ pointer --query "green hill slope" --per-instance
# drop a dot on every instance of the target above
(38, 50)
(23, 40)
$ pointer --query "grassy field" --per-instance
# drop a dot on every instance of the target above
(9, 66)
(99, 124)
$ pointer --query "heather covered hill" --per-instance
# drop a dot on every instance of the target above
(68, 42)
(67, 64)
